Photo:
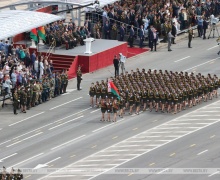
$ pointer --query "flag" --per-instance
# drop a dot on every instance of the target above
(41, 33)
(113, 89)
(33, 35)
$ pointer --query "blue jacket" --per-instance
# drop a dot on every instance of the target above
(141, 33)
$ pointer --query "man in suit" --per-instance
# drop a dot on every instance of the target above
(141, 35)
(153, 39)
(122, 32)
(116, 65)
(131, 36)
(79, 77)
(173, 32)
(107, 30)
(149, 34)
(205, 26)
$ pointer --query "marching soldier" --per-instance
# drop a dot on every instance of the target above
(92, 94)
(115, 109)
(103, 106)
(19, 175)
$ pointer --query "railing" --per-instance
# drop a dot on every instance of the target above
(51, 48)
(96, 17)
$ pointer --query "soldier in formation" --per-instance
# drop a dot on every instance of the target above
(5, 175)
(163, 91)
(39, 91)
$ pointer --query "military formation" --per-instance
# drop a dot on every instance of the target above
(13, 175)
(166, 91)
(38, 91)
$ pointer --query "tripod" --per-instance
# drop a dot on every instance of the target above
(213, 27)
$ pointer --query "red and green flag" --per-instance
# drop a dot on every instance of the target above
(41, 33)
(113, 89)
(33, 35)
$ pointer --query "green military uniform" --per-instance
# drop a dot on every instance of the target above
(190, 36)
(15, 102)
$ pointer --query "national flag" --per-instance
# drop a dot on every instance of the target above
(33, 35)
(113, 89)
(41, 33)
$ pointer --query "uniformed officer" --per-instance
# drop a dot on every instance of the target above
(79, 77)
(92, 94)
(115, 108)
(16, 101)
(190, 36)
(23, 100)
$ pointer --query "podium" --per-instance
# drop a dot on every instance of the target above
(88, 42)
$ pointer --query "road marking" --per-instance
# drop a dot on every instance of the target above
(26, 119)
(95, 110)
(172, 154)
(5, 142)
(155, 120)
(24, 139)
(65, 122)
(202, 152)
(130, 174)
(0, 129)
(151, 164)
(8, 157)
(212, 136)
(201, 64)
(72, 115)
(212, 47)
(183, 58)
(192, 145)
(66, 103)
(163, 171)
(134, 129)
(115, 137)
(68, 142)
(213, 173)
(111, 149)
(106, 126)
(94, 146)
(53, 160)
(27, 160)
(27, 176)
(72, 156)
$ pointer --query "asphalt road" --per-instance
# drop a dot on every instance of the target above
(66, 132)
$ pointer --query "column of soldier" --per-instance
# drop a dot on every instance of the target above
(4, 175)
(169, 92)
(38, 91)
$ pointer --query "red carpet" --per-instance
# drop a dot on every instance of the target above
(135, 51)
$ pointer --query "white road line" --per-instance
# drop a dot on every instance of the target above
(68, 142)
(72, 114)
(26, 119)
(26, 160)
(202, 152)
(65, 122)
(32, 131)
(5, 142)
(217, 172)
(182, 59)
(66, 103)
(0, 129)
(201, 64)
(109, 149)
(105, 126)
(97, 160)
(77, 113)
(24, 139)
(163, 171)
(8, 157)
(53, 160)
(212, 47)
(95, 110)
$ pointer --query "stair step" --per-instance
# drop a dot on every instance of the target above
(61, 61)
(69, 58)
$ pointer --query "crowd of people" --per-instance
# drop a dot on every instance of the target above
(13, 175)
(142, 15)
(166, 91)
(59, 32)
(29, 79)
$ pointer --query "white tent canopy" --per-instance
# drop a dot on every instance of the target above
(14, 22)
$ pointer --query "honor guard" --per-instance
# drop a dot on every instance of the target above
(79, 77)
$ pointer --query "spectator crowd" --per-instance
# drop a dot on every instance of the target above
(119, 17)
(28, 78)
